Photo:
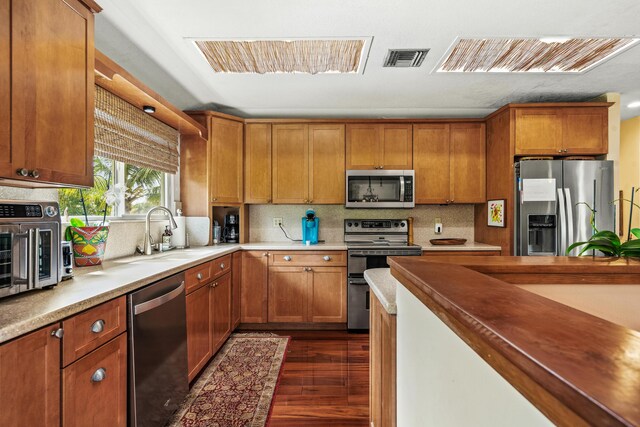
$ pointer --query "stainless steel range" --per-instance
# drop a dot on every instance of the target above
(369, 243)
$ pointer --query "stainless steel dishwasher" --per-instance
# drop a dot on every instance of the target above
(158, 377)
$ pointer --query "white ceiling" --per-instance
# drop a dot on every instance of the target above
(147, 37)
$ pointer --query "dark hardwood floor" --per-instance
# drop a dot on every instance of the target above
(324, 382)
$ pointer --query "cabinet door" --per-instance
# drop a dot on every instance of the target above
(382, 363)
(6, 166)
(90, 399)
(199, 346)
(538, 131)
(221, 311)
(253, 287)
(236, 280)
(257, 163)
(328, 297)
(52, 93)
(225, 160)
(468, 163)
(396, 150)
(363, 146)
(431, 163)
(288, 291)
(30, 380)
(326, 164)
(585, 130)
(290, 163)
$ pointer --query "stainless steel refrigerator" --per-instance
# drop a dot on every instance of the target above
(550, 211)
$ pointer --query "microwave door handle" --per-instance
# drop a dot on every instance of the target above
(402, 188)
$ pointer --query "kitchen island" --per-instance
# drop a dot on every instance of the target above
(475, 348)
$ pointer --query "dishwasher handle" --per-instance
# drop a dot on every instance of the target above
(157, 302)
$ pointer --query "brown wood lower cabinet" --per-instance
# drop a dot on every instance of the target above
(236, 278)
(307, 294)
(253, 287)
(220, 296)
(209, 317)
(199, 348)
(382, 365)
(30, 380)
(94, 388)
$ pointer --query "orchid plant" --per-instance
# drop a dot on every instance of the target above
(608, 242)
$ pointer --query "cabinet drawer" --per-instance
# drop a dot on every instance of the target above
(90, 329)
(308, 258)
(198, 275)
(220, 266)
(95, 387)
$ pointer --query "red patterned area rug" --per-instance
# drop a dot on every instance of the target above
(237, 388)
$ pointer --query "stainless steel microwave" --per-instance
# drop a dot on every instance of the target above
(29, 246)
(380, 189)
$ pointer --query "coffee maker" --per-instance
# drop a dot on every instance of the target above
(231, 230)
(310, 223)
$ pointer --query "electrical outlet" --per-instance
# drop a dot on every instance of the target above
(277, 222)
(438, 226)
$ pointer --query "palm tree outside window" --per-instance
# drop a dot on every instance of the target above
(141, 188)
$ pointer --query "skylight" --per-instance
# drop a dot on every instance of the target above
(309, 56)
(531, 55)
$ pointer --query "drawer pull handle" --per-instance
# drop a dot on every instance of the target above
(199, 276)
(287, 258)
(222, 266)
(99, 375)
(326, 258)
(58, 333)
(98, 326)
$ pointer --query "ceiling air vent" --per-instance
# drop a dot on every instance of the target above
(405, 57)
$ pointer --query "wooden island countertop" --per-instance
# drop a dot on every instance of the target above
(576, 368)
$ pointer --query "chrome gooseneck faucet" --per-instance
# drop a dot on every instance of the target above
(147, 227)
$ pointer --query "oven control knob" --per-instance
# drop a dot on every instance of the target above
(355, 224)
(50, 211)
(402, 224)
(395, 224)
(349, 224)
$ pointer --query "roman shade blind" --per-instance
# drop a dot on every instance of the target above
(127, 134)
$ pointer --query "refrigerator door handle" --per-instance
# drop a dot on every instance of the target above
(567, 193)
(563, 224)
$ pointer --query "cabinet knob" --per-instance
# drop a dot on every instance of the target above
(34, 173)
(22, 172)
(559, 151)
(199, 276)
(326, 258)
(566, 150)
(381, 167)
(58, 333)
(222, 266)
(308, 269)
(214, 199)
(98, 326)
(287, 258)
(99, 375)
(310, 201)
(265, 254)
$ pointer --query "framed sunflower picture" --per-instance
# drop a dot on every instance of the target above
(496, 210)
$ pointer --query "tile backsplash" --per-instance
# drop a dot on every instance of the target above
(457, 221)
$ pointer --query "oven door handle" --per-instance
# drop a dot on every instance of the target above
(358, 282)
(357, 255)
(33, 249)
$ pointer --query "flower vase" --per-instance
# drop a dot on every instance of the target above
(89, 244)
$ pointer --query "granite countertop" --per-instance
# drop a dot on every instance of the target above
(91, 286)
(468, 246)
(383, 285)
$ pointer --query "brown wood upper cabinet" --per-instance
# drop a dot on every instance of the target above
(450, 163)
(257, 163)
(225, 160)
(46, 92)
(561, 131)
(379, 146)
(308, 163)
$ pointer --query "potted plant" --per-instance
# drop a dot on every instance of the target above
(89, 242)
(608, 242)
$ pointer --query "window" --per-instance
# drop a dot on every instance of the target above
(129, 190)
